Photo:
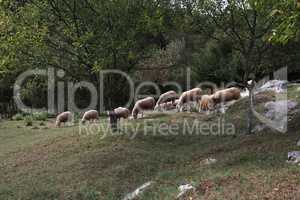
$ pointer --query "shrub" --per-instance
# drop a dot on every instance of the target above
(51, 115)
(35, 128)
(42, 124)
(18, 117)
(28, 120)
(40, 116)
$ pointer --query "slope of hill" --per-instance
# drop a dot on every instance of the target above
(50, 163)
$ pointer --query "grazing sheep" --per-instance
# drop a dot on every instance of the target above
(63, 118)
(116, 115)
(226, 95)
(91, 115)
(166, 97)
(122, 112)
(141, 105)
(189, 96)
(206, 103)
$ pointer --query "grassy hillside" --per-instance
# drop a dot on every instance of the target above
(51, 163)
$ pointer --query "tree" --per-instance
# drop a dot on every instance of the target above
(247, 24)
(21, 45)
(287, 29)
(83, 37)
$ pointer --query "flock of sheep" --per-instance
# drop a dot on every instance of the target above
(166, 101)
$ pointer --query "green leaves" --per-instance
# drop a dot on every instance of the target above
(288, 26)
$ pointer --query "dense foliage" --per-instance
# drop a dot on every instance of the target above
(221, 41)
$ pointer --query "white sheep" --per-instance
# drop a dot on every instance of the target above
(91, 115)
(189, 96)
(141, 105)
(63, 118)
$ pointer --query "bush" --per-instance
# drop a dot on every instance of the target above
(18, 117)
(51, 115)
(40, 116)
(42, 124)
(28, 120)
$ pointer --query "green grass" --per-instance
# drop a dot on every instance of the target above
(52, 163)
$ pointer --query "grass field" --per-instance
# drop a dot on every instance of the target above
(51, 163)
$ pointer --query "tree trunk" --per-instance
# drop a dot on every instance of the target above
(251, 107)
(250, 114)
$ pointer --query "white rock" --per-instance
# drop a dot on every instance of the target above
(279, 109)
(223, 109)
(258, 128)
(138, 191)
(294, 157)
(209, 161)
(183, 189)
(274, 85)
(245, 93)
(298, 144)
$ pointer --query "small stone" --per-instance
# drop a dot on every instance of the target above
(258, 128)
(135, 194)
(209, 161)
(184, 190)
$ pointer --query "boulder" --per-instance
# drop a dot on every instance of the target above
(294, 157)
(279, 109)
(274, 85)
